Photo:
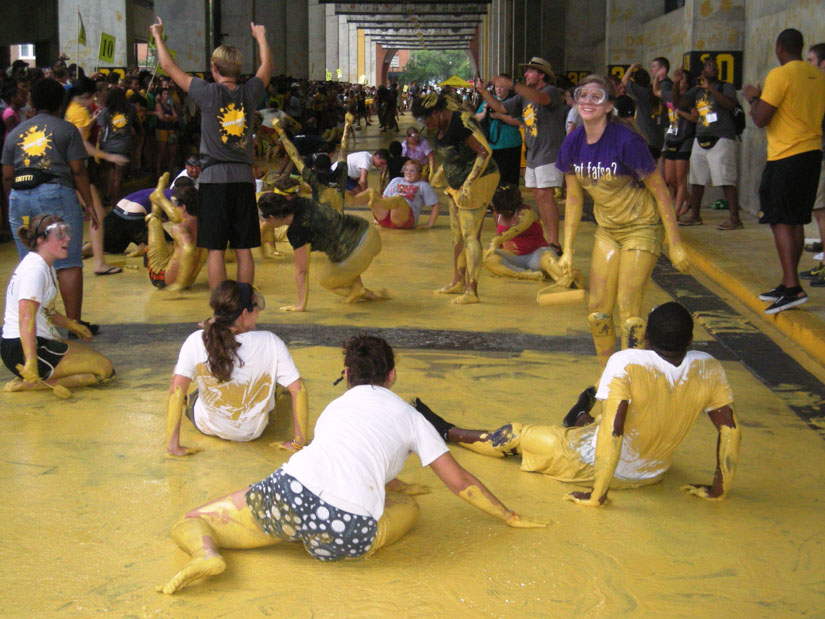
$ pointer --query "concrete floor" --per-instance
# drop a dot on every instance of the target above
(89, 495)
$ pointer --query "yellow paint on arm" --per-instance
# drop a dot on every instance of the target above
(27, 310)
(572, 217)
(727, 456)
(174, 412)
(656, 185)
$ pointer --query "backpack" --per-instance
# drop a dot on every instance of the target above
(738, 118)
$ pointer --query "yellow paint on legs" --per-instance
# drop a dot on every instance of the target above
(344, 278)
(633, 333)
(399, 517)
(604, 335)
(496, 265)
(81, 366)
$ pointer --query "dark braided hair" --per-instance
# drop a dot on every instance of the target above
(369, 360)
(221, 345)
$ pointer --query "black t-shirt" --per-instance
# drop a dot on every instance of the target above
(458, 157)
(325, 229)
(308, 144)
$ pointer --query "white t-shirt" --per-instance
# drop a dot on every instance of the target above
(184, 173)
(416, 194)
(362, 441)
(32, 279)
(238, 410)
(356, 162)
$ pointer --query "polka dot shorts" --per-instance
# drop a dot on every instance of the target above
(287, 510)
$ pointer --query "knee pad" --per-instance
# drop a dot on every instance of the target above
(633, 333)
(600, 324)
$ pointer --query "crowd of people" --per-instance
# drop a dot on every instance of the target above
(643, 148)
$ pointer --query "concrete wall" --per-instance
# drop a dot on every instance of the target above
(584, 24)
(317, 39)
(99, 16)
(187, 32)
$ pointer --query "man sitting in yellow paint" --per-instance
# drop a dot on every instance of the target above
(650, 400)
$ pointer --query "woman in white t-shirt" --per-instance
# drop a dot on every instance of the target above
(332, 495)
(31, 346)
(236, 369)
(400, 206)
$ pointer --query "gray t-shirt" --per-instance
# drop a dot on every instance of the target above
(544, 125)
(714, 120)
(649, 116)
(116, 130)
(227, 120)
(46, 143)
(678, 128)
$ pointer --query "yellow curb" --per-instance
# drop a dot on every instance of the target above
(800, 326)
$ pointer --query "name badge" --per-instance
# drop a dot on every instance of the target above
(672, 130)
(711, 118)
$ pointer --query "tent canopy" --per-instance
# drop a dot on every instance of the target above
(456, 82)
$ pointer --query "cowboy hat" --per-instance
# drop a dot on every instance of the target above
(539, 64)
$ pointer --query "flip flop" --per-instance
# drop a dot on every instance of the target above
(110, 271)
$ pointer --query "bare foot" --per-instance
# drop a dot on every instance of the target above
(18, 384)
(453, 288)
(196, 569)
(466, 299)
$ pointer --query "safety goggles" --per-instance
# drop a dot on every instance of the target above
(258, 300)
(61, 230)
(591, 95)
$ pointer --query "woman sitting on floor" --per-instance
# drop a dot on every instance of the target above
(236, 369)
(31, 346)
(331, 496)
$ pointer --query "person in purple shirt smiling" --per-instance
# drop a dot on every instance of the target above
(612, 163)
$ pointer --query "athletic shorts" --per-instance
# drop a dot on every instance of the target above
(819, 202)
(228, 214)
(543, 177)
(645, 237)
(680, 151)
(190, 409)
(654, 152)
(388, 223)
(49, 354)
(288, 511)
(716, 165)
(352, 183)
(788, 189)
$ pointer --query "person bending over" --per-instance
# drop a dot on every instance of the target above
(332, 495)
(519, 248)
(649, 401)
(177, 267)
(349, 242)
(236, 369)
(31, 346)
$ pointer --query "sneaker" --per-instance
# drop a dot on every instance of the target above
(792, 298)
(773, 295)
(818, 282)
(817, 271)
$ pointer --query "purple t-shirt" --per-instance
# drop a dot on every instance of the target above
(612, 171)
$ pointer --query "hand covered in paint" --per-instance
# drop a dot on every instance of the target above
(465, 196)
(703, 492)
(679, 258)
(182, 450)
(566, 262)
(584, 498)
(29, 371)
(525, 522)
(79, 330)
(293, 308)
(349, 118)
(276, 124)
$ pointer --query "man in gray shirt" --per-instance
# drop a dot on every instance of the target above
(540, 105)
(228, 211)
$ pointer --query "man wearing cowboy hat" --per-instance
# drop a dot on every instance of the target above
(539, 103)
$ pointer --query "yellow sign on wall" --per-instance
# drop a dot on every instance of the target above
(339, 73)
(329, 75)
(106, 52)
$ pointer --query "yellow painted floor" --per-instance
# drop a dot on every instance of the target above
(89, 495)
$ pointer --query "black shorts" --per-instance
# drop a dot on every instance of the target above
(190, 409)
(228, 214)
(119, 231)
(654, 152)
(679, 151)
(788, 189)
(49, 354)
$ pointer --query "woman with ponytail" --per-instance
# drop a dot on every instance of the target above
(236, 369)
(332, 496)
(31, 346)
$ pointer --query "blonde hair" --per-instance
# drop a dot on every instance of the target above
(227, 60)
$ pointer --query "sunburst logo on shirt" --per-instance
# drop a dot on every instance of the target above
(34, 143)
(119, 121)
(232, 122)
(529, 117)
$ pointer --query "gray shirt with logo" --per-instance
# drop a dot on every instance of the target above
(46, 143)
(714, 120)
(544, 125)
(226, 129)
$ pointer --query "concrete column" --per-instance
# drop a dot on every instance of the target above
(624, 29)
(331, 56)
(297, 38)
(517, 32)
(343, 50)
(584, 32)
(317, 33)
(505, 16)
(351, 70)
(272, 15)
(370, 54)
(235, 20)
(187, 31)
(99, 16)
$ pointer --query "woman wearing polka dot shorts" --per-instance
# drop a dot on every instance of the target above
(331, 495)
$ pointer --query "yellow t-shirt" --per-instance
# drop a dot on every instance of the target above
(797, 91)
(79, 116)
